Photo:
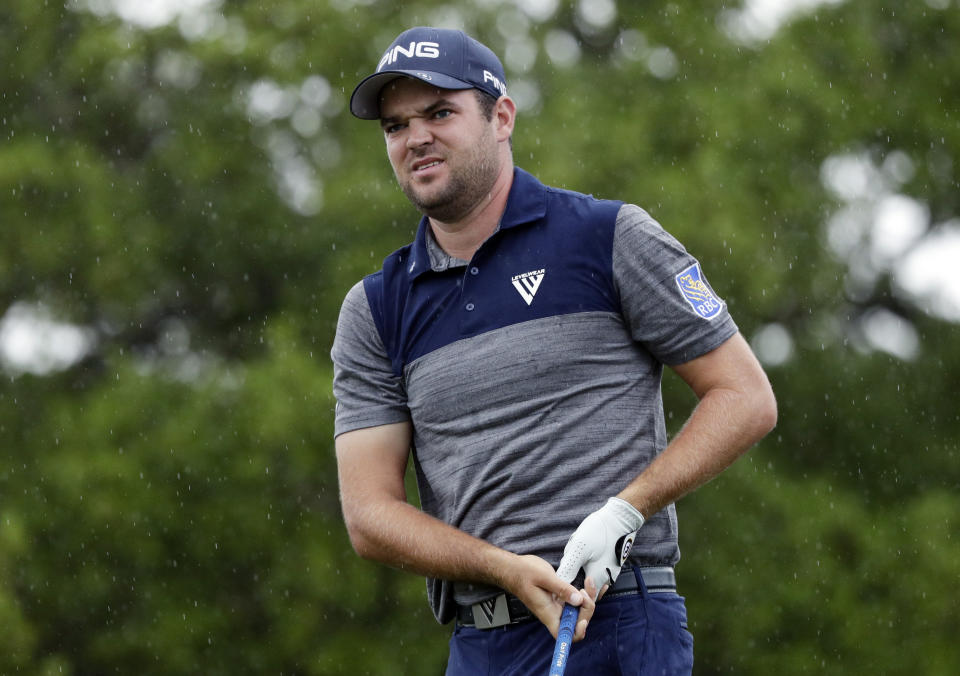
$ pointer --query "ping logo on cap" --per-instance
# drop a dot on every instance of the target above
(424, 50)
(500, 86)
(446, 58)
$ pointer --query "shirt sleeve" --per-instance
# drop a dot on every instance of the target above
(368, 393)
(666, 300)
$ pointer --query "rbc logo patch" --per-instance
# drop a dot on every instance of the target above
(697, 293)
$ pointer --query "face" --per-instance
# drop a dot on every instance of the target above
(444, 152)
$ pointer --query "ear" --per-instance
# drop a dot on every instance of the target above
(504, 116)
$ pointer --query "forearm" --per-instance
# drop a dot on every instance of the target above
(398, 534)
(737, 408)
(724, 425)
(383, 527)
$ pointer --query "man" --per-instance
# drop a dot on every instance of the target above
(516, 347)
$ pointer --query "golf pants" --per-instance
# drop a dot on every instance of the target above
(637, 634)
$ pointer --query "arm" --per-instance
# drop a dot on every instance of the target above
(737, 408)
(384, 527)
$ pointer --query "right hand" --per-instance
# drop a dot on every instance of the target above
(536, 584)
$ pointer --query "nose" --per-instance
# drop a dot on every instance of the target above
(418, 133)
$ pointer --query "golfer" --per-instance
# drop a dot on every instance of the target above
(515, 349)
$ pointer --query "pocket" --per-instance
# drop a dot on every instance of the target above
(670, 607)
(670, 639)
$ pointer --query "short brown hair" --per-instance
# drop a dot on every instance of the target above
(486, 103)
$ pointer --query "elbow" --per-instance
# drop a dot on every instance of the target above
(363, 547)
(360, 543)
(756, 412)
(360, 539)
(765, 412)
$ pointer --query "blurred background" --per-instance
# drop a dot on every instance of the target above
(185, 200)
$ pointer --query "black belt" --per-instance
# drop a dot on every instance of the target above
(505, 609)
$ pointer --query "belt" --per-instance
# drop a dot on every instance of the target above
(505, 609)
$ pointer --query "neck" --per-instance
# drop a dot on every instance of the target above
(462, 238)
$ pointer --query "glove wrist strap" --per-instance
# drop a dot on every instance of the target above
(627, 513)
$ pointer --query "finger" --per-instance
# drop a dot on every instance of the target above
(559, 594)
(547, 603)
(583, 620)
(590, 588)
(598, 581)
(598, 572)
(586, 610)
(561, 591)
(603, 590)
(548, 606)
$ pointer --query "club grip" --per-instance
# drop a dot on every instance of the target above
(568, 621)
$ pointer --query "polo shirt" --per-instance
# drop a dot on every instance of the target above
(531, 373)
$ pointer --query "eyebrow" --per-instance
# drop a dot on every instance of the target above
(436, 105)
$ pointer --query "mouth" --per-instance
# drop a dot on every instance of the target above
(424, 165)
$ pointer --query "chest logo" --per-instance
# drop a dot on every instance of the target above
(528, 283)
(697, 293)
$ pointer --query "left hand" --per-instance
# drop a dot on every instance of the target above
(600, 544)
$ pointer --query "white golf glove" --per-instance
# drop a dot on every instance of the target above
(601, 543)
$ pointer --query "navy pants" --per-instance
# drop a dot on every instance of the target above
(639, 634)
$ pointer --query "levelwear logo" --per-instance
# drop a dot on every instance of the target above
(528, 283)
(488, 608)
(491, 613)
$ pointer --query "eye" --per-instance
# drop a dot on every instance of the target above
(390, 129)
(442, 113)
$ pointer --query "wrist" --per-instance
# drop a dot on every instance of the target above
(499, 568)
(629, 515)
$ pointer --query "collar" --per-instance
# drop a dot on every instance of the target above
(440, 260)
(527, 202)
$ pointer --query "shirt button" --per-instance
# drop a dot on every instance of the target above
(474, 270)
(469, 307)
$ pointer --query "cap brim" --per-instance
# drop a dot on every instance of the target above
(365, 100)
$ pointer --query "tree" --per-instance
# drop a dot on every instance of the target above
(196, 195)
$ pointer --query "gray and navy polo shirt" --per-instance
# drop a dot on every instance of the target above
(531, 373)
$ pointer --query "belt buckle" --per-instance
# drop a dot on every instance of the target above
(491, 613)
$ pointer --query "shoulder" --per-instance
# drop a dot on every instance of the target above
(356, 296)
(581, 212)
(638, 232)
(395, 267)
(355, 309)
(531, 200)
(634, 219)
(563, 196)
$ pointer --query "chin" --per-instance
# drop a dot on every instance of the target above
(429, 199)
(441, 209)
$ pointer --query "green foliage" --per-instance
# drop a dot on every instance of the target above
(198, 195)
(797, 574)
(191, 527)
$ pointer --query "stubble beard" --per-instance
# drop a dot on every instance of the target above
(467, 185)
